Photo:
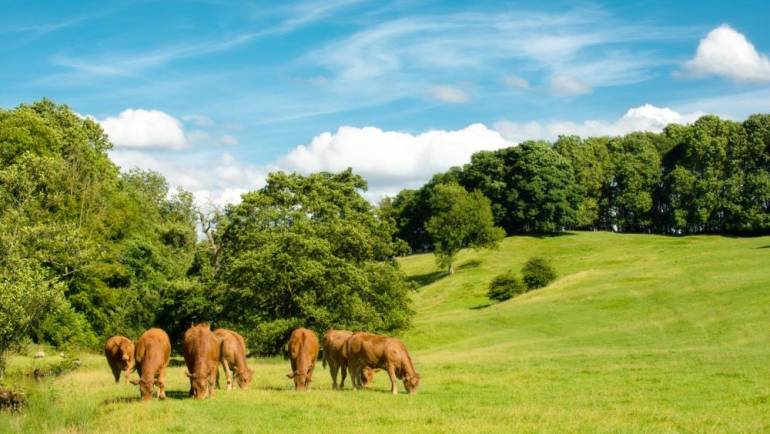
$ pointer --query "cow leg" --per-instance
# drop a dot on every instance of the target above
(128, 372)
(115, 373)
(309, 381)
(333, 368)
(162, 383)
(355, 373)
(228, 374)
(393, 379)
(344, 373)
(212, 380)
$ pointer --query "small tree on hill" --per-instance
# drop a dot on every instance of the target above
(461, 220)
(537, 273)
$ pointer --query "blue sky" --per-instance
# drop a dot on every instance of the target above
(215, 94)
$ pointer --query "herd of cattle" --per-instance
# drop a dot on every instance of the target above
(361, 354)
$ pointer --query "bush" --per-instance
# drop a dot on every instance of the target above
(506, 286)
(537, 273)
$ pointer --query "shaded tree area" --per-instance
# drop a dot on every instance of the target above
(85, 251)
(712, 176)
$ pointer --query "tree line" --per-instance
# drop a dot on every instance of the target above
(88, 251)
(712, 176)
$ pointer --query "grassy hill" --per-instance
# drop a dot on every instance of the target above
(640, 333)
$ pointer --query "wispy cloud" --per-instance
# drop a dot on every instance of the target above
(128, 64)
(410, 53)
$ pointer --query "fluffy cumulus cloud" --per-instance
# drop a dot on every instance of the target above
(214, 179)
(643, 118)
(391, 160)
(567, 85)
(727, 53)
(139, 128)
(449, 94)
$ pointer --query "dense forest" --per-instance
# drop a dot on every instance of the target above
(87, 250)
(712, 176)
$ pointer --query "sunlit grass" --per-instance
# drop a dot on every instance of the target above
(640, 333)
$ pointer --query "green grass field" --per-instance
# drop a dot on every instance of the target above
(640, 333)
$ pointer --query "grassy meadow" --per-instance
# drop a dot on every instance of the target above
(640, 333)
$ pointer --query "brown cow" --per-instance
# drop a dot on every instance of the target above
(119, 351)
(233, 353)
(381, 352)
(153, 350)
(201, 351)
(335, 354)
(303, 352)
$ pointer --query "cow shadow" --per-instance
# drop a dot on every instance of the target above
(176, 363)
(178, 394)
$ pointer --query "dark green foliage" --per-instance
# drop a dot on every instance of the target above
(506, 286)
(309, 251)
(537, 273)
(461, 219)
(106, 244)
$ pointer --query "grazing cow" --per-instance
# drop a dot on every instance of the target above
(335, 355)
(153, 350)
(201, 351)
(233, 353)
(119, 351)
(303, 352)
(367, 350)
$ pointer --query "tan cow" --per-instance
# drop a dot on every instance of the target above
(119, 351)
(303, 352)
(367, 350)
(201, 351)
(233, 353)
(153, 350)
(335, 354)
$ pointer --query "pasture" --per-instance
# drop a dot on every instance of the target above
(640, 333)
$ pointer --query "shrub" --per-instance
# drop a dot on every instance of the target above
(506, 286)
(537, 273)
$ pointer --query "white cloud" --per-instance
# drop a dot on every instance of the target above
(646, 117)
(567, 85)
(214, 180)
(515, 82)
(141, 128)
(391, 160)
(449, 94)
(727, 53)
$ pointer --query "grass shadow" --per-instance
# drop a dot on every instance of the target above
(551, 235)
(473, 263)
(175, 362)
(178, 394)
(122, 400)
(482, 306)
(426, 279)
(764, 247)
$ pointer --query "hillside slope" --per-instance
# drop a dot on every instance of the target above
(640, 333)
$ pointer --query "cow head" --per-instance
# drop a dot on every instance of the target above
(411, 382)
(301, 379)
(199, 384)
(367, 376)
(244, 378)
(127, 354)
(145, 388)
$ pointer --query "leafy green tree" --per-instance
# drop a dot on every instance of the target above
(591, 165)
(506, 286)
(537, 273)
(461, 220)
(309, 250)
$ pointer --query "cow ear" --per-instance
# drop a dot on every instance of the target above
(134, 382)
